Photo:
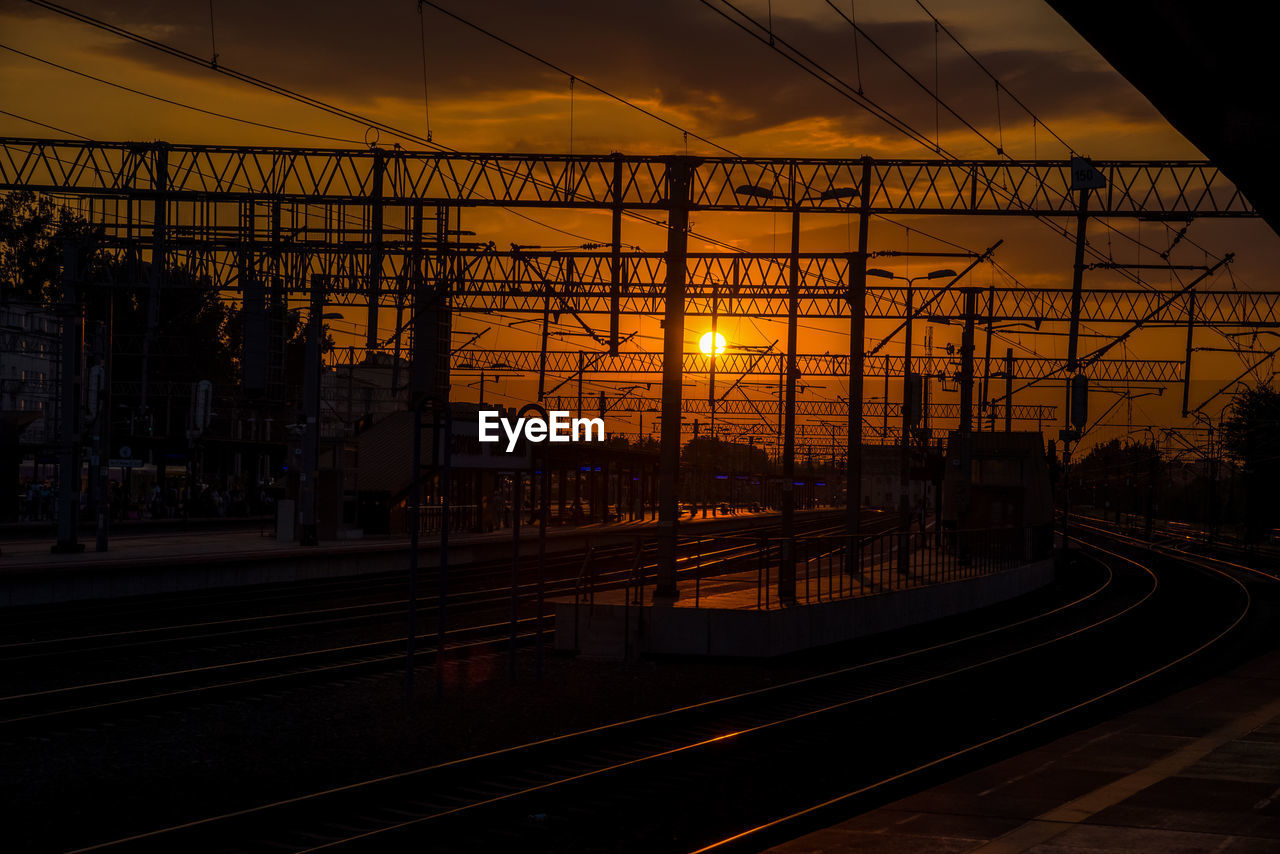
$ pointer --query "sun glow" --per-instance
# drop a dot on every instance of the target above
(704, 344)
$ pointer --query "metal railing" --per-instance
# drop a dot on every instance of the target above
(742, 570)
(831, 567)
(462, 517)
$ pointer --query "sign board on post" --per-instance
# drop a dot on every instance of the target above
(470, 453)
(124, 459)
(1084, 176)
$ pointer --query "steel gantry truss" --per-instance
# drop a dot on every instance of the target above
(819, 408)
(347, 225)
(395, 177)
(1160, 371)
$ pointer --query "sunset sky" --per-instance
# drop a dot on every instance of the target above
(681, 61)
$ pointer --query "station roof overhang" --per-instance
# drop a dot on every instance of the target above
(1207, 67)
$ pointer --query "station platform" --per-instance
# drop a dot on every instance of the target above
(1196, 772)
(740, 614)
(142, 563)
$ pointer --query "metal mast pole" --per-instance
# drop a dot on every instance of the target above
(857, 331)
(679, 177)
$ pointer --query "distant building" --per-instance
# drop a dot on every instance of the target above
(29, 360)
(882, 479)
(358, 394)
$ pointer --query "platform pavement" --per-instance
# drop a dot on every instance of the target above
(1196, 772)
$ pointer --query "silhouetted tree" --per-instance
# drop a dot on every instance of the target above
(33, 234)
(1251, 434)
(197, 336)
(1118, 476)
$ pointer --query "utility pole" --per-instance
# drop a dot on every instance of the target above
(904, 443)
(542, 354)
(787, 566)
(159, 229)
(1077, 285)
(966, 409)
(69, 414)
(374, 280)
(679, 178)
(857, 331)
(987, 409)
(615, 262)
(104, 429)
(308, 488)
(1008, 390)
(1186, 367)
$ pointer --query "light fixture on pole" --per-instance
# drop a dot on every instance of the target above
(912, 400)
(787, 566)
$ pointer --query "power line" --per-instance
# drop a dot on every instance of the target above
(573, 77)
(172, 102)
(833, 81)
(1038, 121)
(42, 124)
(622, 100)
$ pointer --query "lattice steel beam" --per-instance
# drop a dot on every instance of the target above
(516, 283)
(735, 406)
(638, 362)
(1174, 189)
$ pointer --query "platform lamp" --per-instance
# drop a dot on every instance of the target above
(909, 397)
(787, 565)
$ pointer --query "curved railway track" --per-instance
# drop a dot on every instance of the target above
(748, 769)
(693, 777)
(264, 665)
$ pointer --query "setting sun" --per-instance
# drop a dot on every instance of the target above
(704, 344)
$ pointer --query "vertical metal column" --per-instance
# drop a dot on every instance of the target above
(966, 360)
(904, 444)
(857, 331)
(679, 177)
(542, 351)
(1008, 390)
(415, 524)
(1077, 284)
(787, 562)
(308, 488)
(155, 279)
(104, 429)
(615, 262)
(374, 282)
(987, 408)
(966, 404)
(711, 379)
(1186, 368)
(69, 405)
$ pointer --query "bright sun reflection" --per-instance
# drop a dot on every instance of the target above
(704, 344)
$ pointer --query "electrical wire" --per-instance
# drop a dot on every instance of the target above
(42, 124)
(172, 102)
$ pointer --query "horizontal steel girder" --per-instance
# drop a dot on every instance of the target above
(810, 365)
(199, 174)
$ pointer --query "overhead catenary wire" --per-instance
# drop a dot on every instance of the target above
(30, 120)
(539, 223)
(160, 98)
(1036, 120)
(422, 44)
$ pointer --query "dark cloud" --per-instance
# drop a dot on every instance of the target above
(680, 54)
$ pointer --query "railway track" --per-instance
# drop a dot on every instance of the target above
(693, 778)
(158, 612)
(100, 621)
(60, 703)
